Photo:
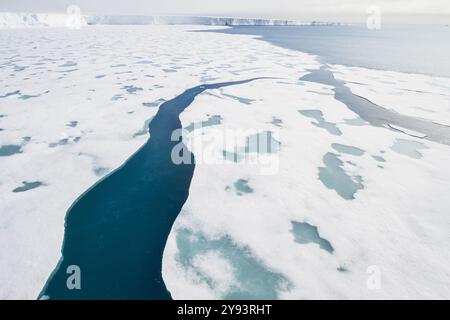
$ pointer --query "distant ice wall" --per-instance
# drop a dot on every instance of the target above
(25, 20)
(144, 20)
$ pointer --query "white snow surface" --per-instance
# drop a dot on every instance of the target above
(408, 94)
(398, 222)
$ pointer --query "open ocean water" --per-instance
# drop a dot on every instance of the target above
(422, 49)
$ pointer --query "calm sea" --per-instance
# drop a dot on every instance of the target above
(421, 49)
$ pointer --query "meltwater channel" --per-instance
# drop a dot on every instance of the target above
(117, 230)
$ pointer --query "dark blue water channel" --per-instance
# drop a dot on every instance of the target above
(117, 230)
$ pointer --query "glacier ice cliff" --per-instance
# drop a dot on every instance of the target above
(25, 20)
(219, 21)
(22, 20)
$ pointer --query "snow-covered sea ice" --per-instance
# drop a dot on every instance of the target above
(345, 194)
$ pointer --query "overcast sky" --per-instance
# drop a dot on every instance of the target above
(411, 11)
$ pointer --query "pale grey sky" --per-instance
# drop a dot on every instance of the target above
(410, 11)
